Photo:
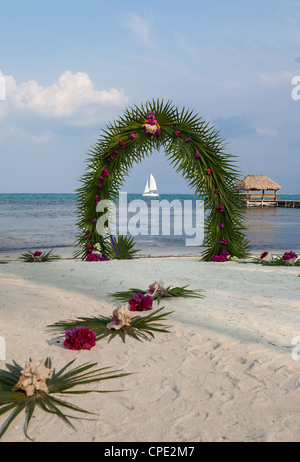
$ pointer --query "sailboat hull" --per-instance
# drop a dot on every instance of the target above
(151, 194)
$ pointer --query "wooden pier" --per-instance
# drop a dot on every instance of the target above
(288, 203)
(265, 200)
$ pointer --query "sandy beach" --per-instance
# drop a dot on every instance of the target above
(225, 372)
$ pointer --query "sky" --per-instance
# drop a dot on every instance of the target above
(70, 67)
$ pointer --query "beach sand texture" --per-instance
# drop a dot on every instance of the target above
(225, 372)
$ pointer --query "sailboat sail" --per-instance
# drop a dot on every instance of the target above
(147, 187)
(151, 188)
(152, 183)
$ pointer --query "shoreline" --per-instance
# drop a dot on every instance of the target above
(66, 254)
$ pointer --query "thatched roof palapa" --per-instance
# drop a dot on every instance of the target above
(257, 183)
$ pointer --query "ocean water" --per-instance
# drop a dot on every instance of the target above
(45, 221)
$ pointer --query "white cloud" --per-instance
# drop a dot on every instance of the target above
(140, 27)
(72, 96)
(267, 131)
(277, 78)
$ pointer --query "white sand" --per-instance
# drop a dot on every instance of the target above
(225, 372)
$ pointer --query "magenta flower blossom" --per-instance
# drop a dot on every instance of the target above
(99, 186)
(197, 155)
(116, 151)
(105, 172)
(263, 255)
(289, 256)
(220, 208)
(223, 241)
(132, 136)
(188, 140)
(80, 338)
(151, 119)
(217, 191)
(140, 302)
(208, 171)
(221, 258)
(93, 256)
(95, 220)
(221, 225)
(122, 143)
(177, 132)
(37, 253)
(97, 197)
(101, 178)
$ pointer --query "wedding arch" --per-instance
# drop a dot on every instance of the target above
(192, 146)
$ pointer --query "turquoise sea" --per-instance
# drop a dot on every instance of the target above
(44, 221)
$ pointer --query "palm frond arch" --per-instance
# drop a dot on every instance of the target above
(193, 147)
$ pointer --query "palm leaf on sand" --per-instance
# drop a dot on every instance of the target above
(61, 382)
(141, 327)
(48, 256)
(125, 296)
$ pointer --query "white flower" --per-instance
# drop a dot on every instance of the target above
(151, 128)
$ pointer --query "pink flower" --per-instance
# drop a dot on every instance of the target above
(132, 136)
(105, 172)
(177, 132)
(95, 220)
(80, 338)
(140, 302)
(221, 225)
(99, 185)
(197, 155)
(208, 171)
(37, 253)
(101, 178)
(289, 256)
(116, 151)
(217, 191)
(263, 255)
(223, 241)
(97, 197)
(220, 208)
(221, 258)
(122, 143)
(188, 139)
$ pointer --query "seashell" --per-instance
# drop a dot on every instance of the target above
(33, 378)
(232, 258)
(155, 289)
(267, 258)
(121, 317)
(291, 261)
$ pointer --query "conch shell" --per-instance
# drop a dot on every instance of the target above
(155, 289)
(291, 261)
(34, 378)
(267, 258)
(121, 317)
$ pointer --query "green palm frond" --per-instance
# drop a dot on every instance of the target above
(204, 139)
(141, 327)
(125, 246)
(48, 256)
(276, 261)
(126, 295)
(61, 382)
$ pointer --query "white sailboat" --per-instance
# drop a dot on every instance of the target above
(151, 188)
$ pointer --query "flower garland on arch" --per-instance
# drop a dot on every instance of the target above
(192, 146)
